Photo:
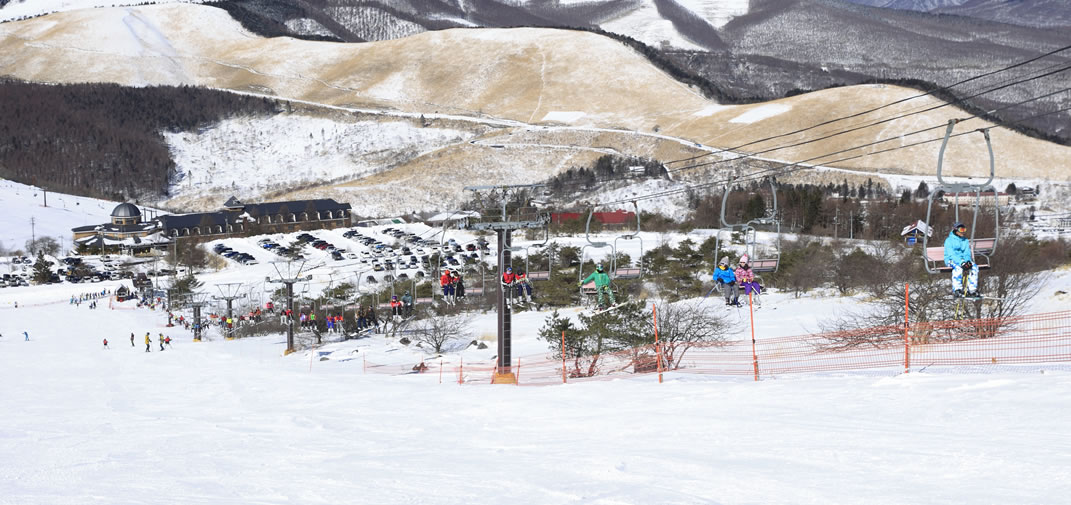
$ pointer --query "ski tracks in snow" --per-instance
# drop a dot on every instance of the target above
(542, 85)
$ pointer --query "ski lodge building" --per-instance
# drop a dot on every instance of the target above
(127, 230)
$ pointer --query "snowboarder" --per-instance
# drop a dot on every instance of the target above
(167, 340)
(161, 340)
(27, 335)
(395, 307)
(725, 278)
(132, 339)
(407, 304)
(106, 343)
(148, 342)
(958, 256)
(745, 277)
(602, 285)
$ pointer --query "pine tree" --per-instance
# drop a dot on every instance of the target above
(42, 269)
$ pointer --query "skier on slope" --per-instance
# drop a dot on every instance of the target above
(725, 278)
(602, 285)
(958, 256)
(745, 277)
(148, 342)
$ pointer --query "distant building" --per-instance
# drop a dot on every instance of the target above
(914, 231)
(272, 217)
(615, 218)
(985, 199)
(127, 230)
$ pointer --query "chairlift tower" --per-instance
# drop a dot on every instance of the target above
(523, 218)
(196, 301)
(229, 293)
(289, 274)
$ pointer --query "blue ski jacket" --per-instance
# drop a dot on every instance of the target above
(724, 275)
(957, 249)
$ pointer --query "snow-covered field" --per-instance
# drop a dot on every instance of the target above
(236, 422)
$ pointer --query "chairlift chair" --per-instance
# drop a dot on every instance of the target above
(771, 262)
(588, 289)
(981, 248)
(617, 272)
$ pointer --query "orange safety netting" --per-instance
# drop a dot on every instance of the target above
(1028, 339)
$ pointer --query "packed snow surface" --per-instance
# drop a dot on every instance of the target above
(236, 422)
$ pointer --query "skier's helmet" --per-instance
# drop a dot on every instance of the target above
(743, 259)
(407, 292)
(394, 297)
(598, 268)
(509, 269)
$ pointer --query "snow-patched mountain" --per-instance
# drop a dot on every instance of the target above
(514, 105)
(1040, 13)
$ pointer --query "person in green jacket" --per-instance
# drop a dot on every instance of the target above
(602, 285)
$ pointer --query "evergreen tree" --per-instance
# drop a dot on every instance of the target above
(42, 269)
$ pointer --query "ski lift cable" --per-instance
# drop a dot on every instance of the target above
(872, 124)
(796, 166)
(896, 102)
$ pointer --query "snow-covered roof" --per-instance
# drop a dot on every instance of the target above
(917, 225)
(453, 216)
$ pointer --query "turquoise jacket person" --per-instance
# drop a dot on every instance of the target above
(957, 247)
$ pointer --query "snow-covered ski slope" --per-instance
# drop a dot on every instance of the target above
(235, 422)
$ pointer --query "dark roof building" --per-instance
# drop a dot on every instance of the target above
(127, 229)
(270, 217)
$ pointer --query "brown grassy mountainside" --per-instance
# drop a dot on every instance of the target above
(527, 75)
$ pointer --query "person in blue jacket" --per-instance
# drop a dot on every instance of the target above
(958, 256)
(724, 277)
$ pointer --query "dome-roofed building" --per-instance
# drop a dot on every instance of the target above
(126, 213)
(125, 231)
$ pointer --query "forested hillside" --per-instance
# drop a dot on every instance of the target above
(104, 140)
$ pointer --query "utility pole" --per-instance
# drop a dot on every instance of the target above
(289, 273)
(851, 224)
(229, 293)
(524, 218)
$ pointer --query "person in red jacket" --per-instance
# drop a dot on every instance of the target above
(448, 287)
(508, 279)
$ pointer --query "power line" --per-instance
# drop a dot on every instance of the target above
(875, 123)
(875, 109)
(781, 170)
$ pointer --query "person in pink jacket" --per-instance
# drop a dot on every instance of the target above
(746, 278)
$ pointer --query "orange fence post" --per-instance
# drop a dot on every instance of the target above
(754, 355)
(563, 356)
(658, 348)
(461, 370)
(518, 371)
(907, 340)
